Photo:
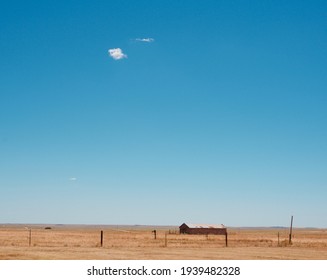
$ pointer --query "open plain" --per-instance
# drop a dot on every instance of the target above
(83, 242)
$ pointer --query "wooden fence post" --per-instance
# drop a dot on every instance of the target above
(155, 234)
(30, 237)
(226, 239)
(101, 238)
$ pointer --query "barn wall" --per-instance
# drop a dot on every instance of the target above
(218, 231)
(183, 229)
(206, 231)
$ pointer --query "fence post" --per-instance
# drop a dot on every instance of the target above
(165, 239)
(155, 234)
(226, 239)
(101, 238)
(30, 237)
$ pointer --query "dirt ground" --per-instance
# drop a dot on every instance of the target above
(60, 242)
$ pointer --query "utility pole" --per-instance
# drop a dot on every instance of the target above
(290, 236)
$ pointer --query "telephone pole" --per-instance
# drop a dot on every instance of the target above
(290, 236)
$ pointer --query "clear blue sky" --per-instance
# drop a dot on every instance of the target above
(215, 112)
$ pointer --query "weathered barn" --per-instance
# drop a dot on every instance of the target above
(203, 229)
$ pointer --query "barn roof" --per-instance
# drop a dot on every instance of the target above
(204, 225)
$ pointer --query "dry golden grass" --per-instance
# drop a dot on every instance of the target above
(83, 242)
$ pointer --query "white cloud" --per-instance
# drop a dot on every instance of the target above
(147, 40)
(117, 54)
(72, 179)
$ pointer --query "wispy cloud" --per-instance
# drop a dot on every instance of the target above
(72, 179)
(146, 40)
(117, 54)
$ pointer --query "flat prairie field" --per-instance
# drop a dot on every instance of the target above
(86, 242)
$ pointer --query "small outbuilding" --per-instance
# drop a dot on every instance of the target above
(219, 229)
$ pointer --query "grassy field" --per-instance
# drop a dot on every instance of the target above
(62, 242)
